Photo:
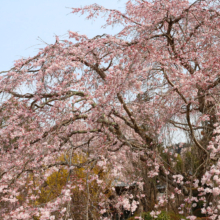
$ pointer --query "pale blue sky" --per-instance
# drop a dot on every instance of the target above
(23, 21)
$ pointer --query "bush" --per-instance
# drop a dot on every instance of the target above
(162, 216)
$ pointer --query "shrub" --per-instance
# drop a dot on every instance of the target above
(162, 216)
